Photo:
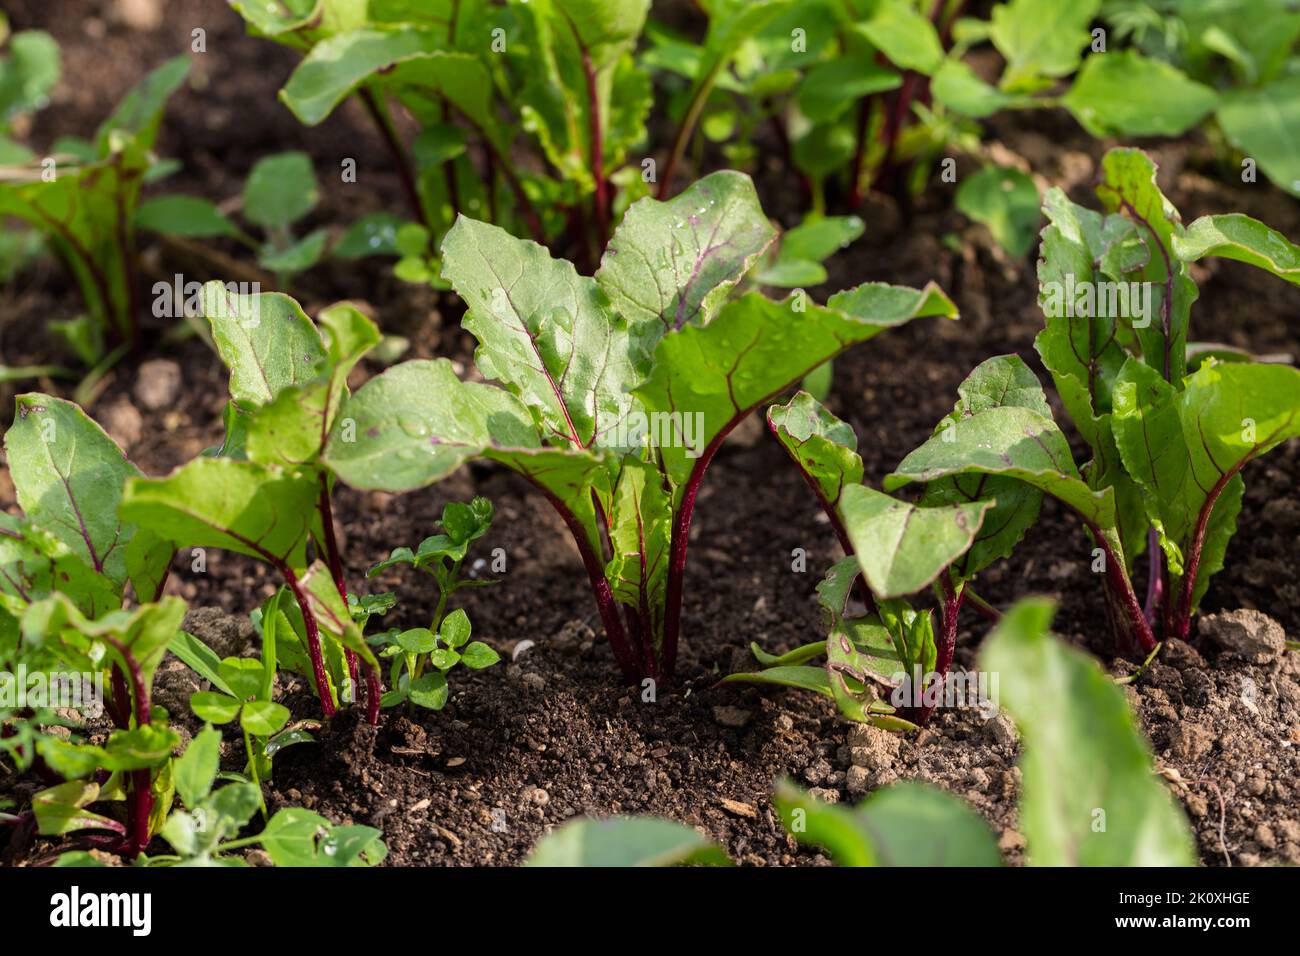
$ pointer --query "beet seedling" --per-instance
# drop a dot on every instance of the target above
(265, 494)
(572, 96)
(445, 642)
(66, 568)
(615, 391)
(887, 665)
(83, 199)
(1170, 423)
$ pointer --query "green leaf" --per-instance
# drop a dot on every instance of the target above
(1016, 442)
(262, 718)
(544, 331)
(187, 216)
(243, 675)
(957, 87)
(1090, 794)
(1005, 200)
(1004, 380)
(34, 564)
(429, 691)
(831, 89)
(455, 628)
(1040, 39)
(297, 256)
(266, 341)
(390, 436)
(374, 234)
(416, 640)
(904, 35)
(640, 529)
(1236, 236)
(715, 375)
(139, 113)
(336, 66)
(140, 747)
(907, 824)
(143, 632)
(1123, 93)
(901, 547)
(1185, 448)
(478, 655)
(199, 658)
(262, 511)
(672, 264)
(817, 239)
(61, 809)
(28, 74)
(280, 190)
(1262, 123)
(68, 476)
(298, 837)
(787, 675)
(625, 841)
(195, 771)
(213, 707)
(1128, 186)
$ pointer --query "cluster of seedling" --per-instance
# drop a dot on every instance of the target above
(610, 388)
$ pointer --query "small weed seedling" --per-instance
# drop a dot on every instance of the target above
(280, 191)
(445, 642)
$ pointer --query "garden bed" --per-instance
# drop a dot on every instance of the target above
(550, 734)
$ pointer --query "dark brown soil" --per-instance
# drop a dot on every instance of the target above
(551, 734)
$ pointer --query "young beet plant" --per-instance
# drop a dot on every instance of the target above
(614, 391)
(83, 199)
(66, 567)
(422, 656)
(1170, 423)
(265, 493)
(564, 68)
(1082, 749)
(887, 664)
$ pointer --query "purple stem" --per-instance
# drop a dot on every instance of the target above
(623, 652)
(373, 688)
(947, 647)
(1182, 623)
(1155, 578)
(1122, 587)
(139, 782)
(313, 641)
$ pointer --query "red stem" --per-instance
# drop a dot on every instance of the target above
(623, 653)
(949, 612)
(313, 642)
(1123, 589)
(373, 688)
(139, 782)
(1182, 623)
(597, 160)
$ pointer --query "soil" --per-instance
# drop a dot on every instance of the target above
(550, 733)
